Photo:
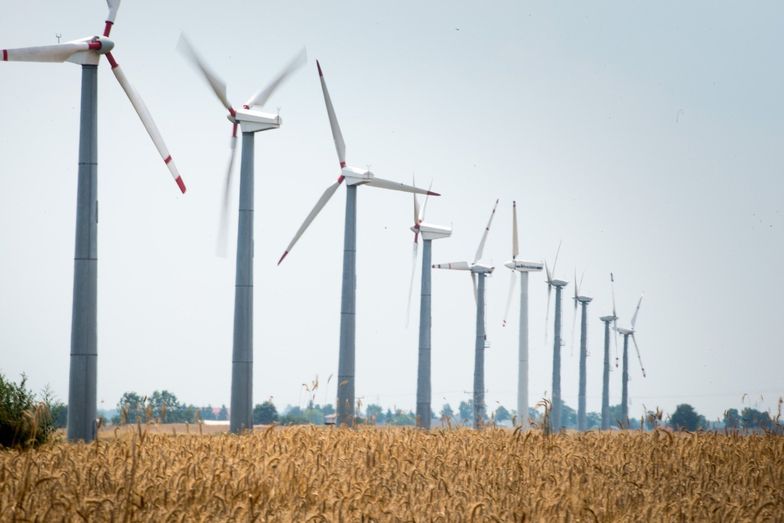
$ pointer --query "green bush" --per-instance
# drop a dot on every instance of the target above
(24, 421)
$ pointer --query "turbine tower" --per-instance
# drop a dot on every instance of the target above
(583, 301)
(523, 267)
(555, 413)
(353, 177)
(251, 121)
(478, 272)
(429, 232)
(607, 320)
(87, 52)
(629, 333)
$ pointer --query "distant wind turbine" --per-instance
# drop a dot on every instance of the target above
(629, 333)
(583, 301)
(523, 267)
(428, 232)
(353, 177)
(555, 415)
(478, 272)
(607, 320)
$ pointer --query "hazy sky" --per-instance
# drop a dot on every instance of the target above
(646, 136)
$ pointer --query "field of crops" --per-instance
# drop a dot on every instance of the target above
(327, 474)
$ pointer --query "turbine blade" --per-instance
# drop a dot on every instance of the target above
(481, 248)
(557, 252)
(326, 195)
(223, 225)
(473, 280)
(515, 244)
(416, 204)
(636, 311)
(261, 97)
(547, 272)
(455, 266)
(411, 282)
(509, 296)
(337, 136)
(427, 197)
(147, 121)
(637, 349)
(396, 186)
(113, 6)
(215, 82)
(48, 53)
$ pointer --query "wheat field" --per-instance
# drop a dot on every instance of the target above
(311, 473)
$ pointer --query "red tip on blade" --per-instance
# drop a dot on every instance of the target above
(5, 55)
(180, 184)
(284, 255)
(112, 61)
(107, 28)
(342, 165)
(234, 130)
(319, 68)
(431, 193)
(341, 178)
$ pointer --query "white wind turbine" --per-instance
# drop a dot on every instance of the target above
(555, 413)
(250, 120)
(523, 267)
(87, 52)
(629, 333)
(478, 272)
(428, 232)
(354, 177)
(583, 302)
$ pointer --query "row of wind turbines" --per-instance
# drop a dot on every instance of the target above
(250, 119)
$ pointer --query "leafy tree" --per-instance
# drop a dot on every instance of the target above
(754, 419)
(130, 406)
(686, 418)
(466, 410)
(374, 412)
(401, 418)
(731, 419)
(328, 409)
(568, 416)
(223, 415)
(165, 406)
(24, 421)
(265, 413)
(593, 420)
(207, 413)
(446, 410)
(501, 414)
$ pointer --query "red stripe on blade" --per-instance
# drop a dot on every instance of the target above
(167, 159)
(342, 165)
(112, 61)
(341, 178)
(107, 28)
(431, 193)
(5, 55)
(95, 45)
(180, 184)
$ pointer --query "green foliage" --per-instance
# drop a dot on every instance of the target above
(754, 419)
(24, 421)
(731, 419)
(501, 414)
(374, 413)
(686, 418)
(265, 413)
(446, 410)
(161, 406)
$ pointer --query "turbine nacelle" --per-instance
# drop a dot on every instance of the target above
(558, 283)
(583, 299)
(524, 266)
(252, 120)
(431, 232)
(609, 318)
(625, 332)
(480, 268)
(356, 176)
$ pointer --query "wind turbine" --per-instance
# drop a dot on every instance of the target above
(478, 271)
(607, 320)
(555, 415)
(429, 232)
(629, 333)
(523, 267)
(87, 52)
(583, 301)
(250, 120)
(353, 177)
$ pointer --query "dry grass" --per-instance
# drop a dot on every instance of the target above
(328, 474)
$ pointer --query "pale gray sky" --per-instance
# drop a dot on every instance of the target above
(646, 136)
